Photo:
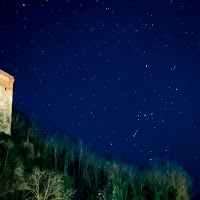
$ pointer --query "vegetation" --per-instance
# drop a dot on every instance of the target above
(38, 167)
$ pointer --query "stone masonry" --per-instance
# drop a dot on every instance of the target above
(6, 99)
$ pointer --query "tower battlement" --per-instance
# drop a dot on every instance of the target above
(6, 99)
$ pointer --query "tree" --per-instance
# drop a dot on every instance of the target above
(178, 180)
(11, 165)
(167, 181)
(121, 183)
(45, 185)
(156, 183)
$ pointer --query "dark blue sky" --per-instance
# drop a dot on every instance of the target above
(122, 75)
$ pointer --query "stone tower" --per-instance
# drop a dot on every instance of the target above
(6, 98)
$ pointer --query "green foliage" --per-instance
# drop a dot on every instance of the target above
(168, 181)
(53, 167)
(24, 129)
(11, 165)
(123, 183)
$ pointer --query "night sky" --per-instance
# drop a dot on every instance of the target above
(122, 75)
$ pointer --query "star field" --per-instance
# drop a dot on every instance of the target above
(121, 75)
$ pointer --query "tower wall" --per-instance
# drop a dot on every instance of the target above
(6, 99)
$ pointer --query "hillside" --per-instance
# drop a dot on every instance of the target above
(44, 167)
